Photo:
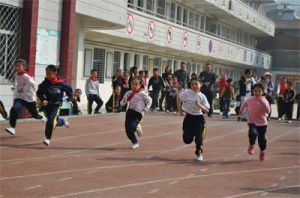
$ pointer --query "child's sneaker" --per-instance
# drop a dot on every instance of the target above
(135, 146)
(251, 149)
(199, 158)
(11, 130)
(262, 155)
(46, 142)
(66, 123)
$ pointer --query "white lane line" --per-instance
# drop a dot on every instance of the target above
(205, 141)
(80, 170)
(33, 187)
(289, 172)
(19, 162)
(264, 194)
(153, 191)
(282, 178)
(284, 134)
(203, 169)
(94, 133)
(274, 185)
(261, 191)
(171, 179)
(173, 182)
(65, 179)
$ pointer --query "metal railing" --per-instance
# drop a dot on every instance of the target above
(10, 26)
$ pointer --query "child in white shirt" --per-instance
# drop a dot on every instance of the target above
(194, 104)
(139, 102)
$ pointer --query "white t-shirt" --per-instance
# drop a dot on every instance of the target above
(25, 88)
(189, 98)
(140, 101)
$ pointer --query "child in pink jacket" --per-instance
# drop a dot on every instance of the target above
(257, 119)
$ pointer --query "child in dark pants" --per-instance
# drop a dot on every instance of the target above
(92, 92)
(289, 96)
(76, 99)
(227, 94)
(24, 96)
(51, 93)
(139, 102)
(156, 82)
(257, 119)
(194, 104)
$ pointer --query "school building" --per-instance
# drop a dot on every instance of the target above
(79, 35)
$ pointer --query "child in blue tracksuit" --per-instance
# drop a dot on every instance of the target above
(50, 93)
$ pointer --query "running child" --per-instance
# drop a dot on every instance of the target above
(92, 92)
(157, 83)
(257, 119)
(194, 104)
(227, 94)
(139, 102)
(50, 93)
(24, 94)
(289, 98)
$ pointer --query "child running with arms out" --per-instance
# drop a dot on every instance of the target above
(51, 92)
(24, 94)
(194, 104)
(139, 102)
(257, 120)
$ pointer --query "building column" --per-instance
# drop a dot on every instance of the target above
(29, 33)
(67, 39)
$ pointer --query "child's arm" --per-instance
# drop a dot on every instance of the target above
(244, 106)
(293, 96)
(232, 92)
(203, 104)
(178, 102)
(41, 94)
(265, 105)
(124, 99)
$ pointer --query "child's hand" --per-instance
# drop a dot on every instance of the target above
(125, 99)
(13, 88)
(45, 103)
(181, 113)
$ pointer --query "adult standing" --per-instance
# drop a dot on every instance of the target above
(168, 71)
(208, 79)
(182, 75)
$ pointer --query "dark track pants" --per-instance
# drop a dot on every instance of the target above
(52, 113)
(260, 132)
(194, 127)
(133, 119)
(17, 106)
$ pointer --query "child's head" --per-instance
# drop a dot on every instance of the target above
(194, 76)
(170, 77)
(20, 65)
(134, 70)
(258, 90)
(117, 90)
(195, 85)
(146, 73)
(51, 72)
(248, 73)
(126, 75)
(179, 85)
(155, 72)
(135, 84)
(93, 73)
(229, 81)
(141, 74)
(119, 72)
(77, 92)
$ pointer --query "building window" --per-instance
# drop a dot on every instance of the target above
(130, 3)
(161, 6)
(140, 5)
(146, 65)
(88, 62)
(185, 17)
(191, 20)
(99, 63)
(179, 14)
(173, 11)
(117, 61)
(10, 26)
(150, 6)
(126, 63)
(137, 60)
(203, 22)
(211, 25)
(109, 65)
(197, 21)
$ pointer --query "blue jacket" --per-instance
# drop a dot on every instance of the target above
(53, 92)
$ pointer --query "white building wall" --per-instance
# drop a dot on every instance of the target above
(222, 50)
(49, 19)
